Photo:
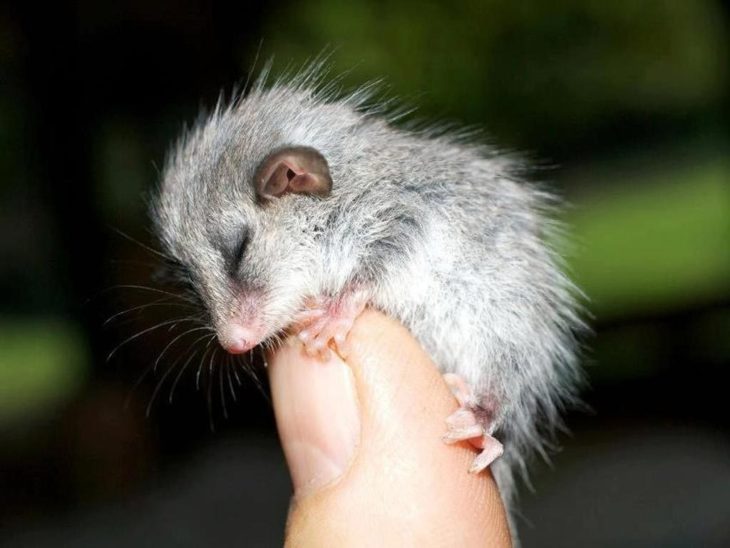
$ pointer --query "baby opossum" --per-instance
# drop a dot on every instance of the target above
(293, 206)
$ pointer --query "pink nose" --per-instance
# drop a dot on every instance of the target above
(237, 339)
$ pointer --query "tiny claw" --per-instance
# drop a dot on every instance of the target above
(472, 423)
(493, 449)
(462, 434)
(329, 321)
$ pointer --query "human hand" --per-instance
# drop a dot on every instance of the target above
(362, 438)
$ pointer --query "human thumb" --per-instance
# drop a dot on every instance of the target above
(362, 438)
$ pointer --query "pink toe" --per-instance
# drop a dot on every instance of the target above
(493, 449)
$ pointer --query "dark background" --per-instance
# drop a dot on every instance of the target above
(622, 105)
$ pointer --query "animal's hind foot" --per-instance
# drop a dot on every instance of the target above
(472, 423)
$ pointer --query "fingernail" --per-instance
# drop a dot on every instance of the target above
(316, 413)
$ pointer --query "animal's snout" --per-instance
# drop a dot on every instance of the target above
(237, 339)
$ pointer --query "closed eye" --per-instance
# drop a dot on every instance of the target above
(239, 250)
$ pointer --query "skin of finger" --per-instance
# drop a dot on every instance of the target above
(404, 487)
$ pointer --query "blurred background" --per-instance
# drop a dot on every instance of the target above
(623, 107)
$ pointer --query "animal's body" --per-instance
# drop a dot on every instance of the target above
(437, 232)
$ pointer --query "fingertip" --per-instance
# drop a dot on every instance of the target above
(400, 480)
(316, 413)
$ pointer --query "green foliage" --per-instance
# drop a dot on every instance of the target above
(41, 364)
(532, 72)
(656, 239)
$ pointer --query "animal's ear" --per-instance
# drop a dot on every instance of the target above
(300, 170)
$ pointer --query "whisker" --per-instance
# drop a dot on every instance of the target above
(188, 361)
(150, 368)
(136, 384)
(158, 302)
(210, 388)
(263, 356)
(236, 363)
(147, 288)
(161, 300)
(230, 379)
(139, 334)
(173, 341)
(146, 264)
(256, 373)
(158, 387)
(200, 366)
(223, 393)
(143, 246)
(249, 370)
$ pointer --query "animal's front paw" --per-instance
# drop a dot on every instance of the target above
(329, 320)
(472, 422)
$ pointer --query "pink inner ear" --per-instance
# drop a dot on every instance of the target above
(289, 177)
(277, 181)
(302, 183)
(299, 170)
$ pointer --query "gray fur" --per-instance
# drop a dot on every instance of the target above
(440, 232)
